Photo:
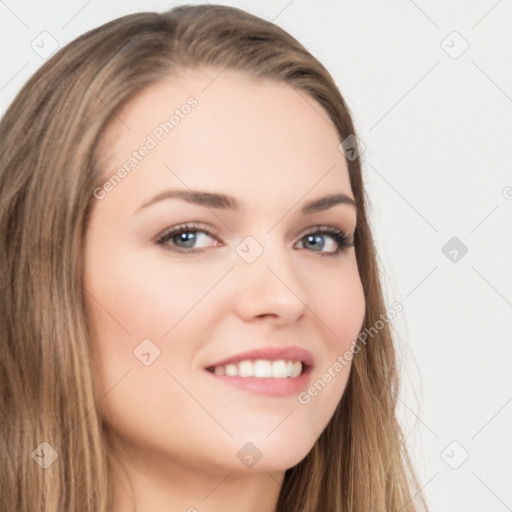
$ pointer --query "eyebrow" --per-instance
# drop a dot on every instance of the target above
(222, 201)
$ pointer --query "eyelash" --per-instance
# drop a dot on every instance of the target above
(342, 240)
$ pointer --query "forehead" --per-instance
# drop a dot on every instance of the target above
(227, 132)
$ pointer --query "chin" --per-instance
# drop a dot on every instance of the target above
(279, 453)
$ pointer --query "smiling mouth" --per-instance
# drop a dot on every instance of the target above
(261, 368)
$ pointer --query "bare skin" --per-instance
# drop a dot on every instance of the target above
(175, 427)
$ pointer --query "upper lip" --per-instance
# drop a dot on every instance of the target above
(291, 353)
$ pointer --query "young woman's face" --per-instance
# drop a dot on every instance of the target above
(215, 256)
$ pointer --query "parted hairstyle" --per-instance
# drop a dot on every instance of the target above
(49, 167)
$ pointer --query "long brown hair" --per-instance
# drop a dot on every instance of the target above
(49, 167)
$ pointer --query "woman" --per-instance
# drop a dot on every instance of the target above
(187, 266)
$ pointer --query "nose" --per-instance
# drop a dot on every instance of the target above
(270, 288)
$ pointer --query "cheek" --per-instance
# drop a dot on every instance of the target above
(340, 310)
(134, 299)
(142, 313)
(338, 302)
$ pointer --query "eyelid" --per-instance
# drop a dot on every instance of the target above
(328, 229)
(186, 226)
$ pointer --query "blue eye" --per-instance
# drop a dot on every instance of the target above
(326, 240)
(189, 239)
(182, 238)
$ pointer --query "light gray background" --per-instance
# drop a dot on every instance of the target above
(438, 135)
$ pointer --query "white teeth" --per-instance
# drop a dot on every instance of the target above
(279, 369)
(261, 368)
(231, 370)
(246, 369)
(297, 369)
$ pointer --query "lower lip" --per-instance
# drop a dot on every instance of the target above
(267, 386)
